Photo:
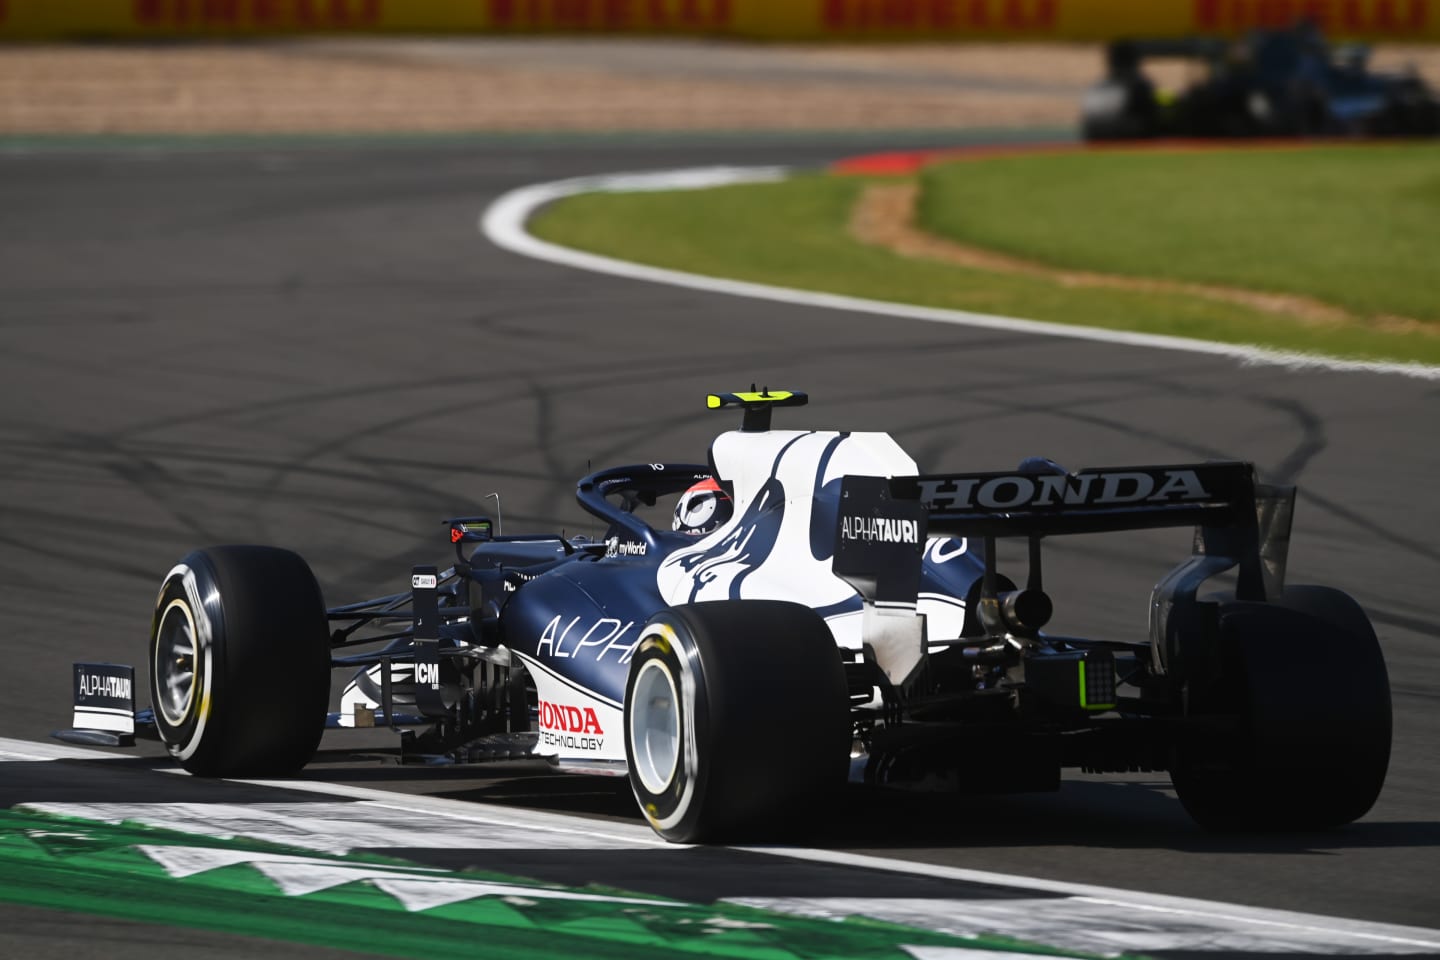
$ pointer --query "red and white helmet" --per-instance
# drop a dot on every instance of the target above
(702, 508)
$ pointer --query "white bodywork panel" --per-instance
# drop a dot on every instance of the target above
(573, 723)
(763, 469)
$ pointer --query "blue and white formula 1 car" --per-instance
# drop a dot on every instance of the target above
(817, 607)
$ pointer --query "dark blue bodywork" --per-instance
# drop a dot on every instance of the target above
(577, 606)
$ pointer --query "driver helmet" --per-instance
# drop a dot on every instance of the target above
(702, 508)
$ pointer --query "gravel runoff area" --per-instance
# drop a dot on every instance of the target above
(545, 84)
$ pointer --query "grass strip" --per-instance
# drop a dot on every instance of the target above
(1355, 226)
(794, 234)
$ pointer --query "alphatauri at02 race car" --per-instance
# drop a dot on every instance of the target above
(1272, 83)
(818, 608)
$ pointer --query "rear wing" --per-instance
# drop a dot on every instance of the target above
(883, 525)
(1234, 516)
(1090, 501)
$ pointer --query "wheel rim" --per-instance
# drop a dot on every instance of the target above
(655, 726)
(176, 653)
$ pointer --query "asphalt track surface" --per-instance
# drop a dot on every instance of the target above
(313, 347)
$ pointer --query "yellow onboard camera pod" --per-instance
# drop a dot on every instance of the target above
(757, 404)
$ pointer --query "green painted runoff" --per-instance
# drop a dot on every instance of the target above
(382, 905)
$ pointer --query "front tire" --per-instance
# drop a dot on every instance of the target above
(239, 660)
(736, 717)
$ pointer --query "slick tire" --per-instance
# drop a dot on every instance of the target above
(239, 660)
(1307, 681)
(736, 719)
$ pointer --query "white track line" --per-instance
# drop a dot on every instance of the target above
(1211, 913)
(634, 834)
(504, 224)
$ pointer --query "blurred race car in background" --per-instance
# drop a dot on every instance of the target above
(1272, 83)
(811, 606)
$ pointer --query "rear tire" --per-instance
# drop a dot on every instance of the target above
(239, 660)
(736, 718)
(1307, 680)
